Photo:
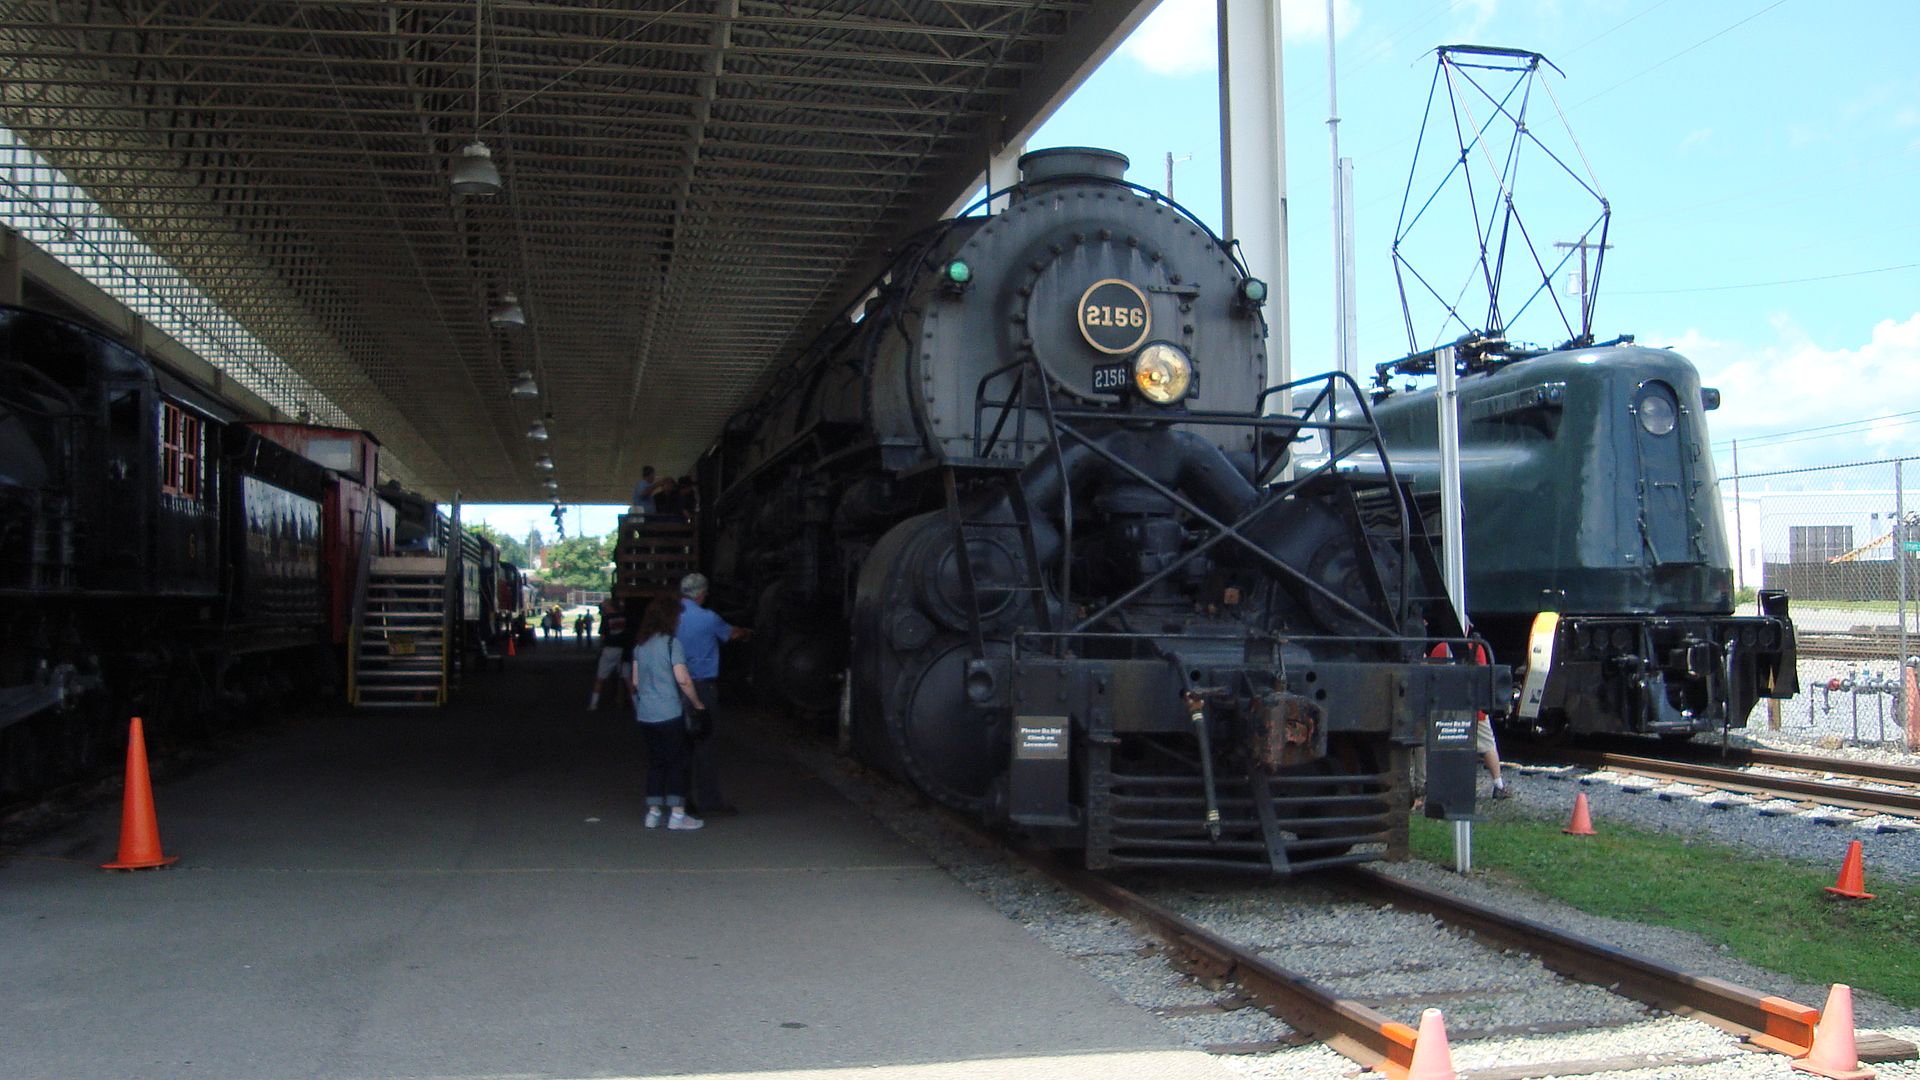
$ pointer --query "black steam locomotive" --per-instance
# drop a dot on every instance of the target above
(1596, 554)
(161, 556)
(1028, 516)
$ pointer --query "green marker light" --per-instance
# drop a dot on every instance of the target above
(959, 272)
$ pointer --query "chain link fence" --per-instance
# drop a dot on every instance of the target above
(1843, 541)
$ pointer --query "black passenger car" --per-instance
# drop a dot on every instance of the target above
(153, 558)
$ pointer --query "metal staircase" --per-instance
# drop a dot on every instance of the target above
(401, 647)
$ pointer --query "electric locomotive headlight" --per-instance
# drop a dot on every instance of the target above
(1162, 373)
(1656, 413)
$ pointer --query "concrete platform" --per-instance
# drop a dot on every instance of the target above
(470, 893)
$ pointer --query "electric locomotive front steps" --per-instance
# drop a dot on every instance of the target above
(399, 654)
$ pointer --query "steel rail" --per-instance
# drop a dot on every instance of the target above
(1365, 1035)
(1780, 759)
(1762, 1020)
(1732, 779)
(1866, 770)
(1377, 1041)
(1881, 645)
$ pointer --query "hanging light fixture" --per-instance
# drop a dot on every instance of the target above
(473, 171)
(543, 463)
(553, 486)
(507, 314)
(538, 432)
(524, 386)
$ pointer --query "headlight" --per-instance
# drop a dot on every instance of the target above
(1162, 373)
(1656, 414)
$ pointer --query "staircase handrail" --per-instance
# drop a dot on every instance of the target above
(363, 569)
(453, 601)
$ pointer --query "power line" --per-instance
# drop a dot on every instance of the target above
(1774, 437)
(1643, 11)
(1818, 468)
(1678, 55)
(1765, 284)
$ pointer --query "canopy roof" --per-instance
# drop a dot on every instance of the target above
(690, 188)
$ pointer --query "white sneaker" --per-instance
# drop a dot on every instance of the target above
(683, 820)
(653, 817)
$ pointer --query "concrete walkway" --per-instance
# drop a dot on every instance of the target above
(469, 893)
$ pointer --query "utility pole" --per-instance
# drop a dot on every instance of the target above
(1583, 245)
(1344, 320)
(1170, 160)
(1739, 511)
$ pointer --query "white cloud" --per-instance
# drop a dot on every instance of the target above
(1181, 37)
(1698, 137)
(1479, 13)
(1795, 383)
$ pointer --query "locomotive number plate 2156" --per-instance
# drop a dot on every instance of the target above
(1114, 316)
(1112, 377)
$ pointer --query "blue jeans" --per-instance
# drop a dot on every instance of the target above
(701, 753)
(666, 762)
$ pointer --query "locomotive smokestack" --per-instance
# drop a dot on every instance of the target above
(1061, 162)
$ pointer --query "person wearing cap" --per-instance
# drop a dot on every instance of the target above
(701, 633)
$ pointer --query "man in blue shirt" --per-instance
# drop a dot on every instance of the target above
(701, 634)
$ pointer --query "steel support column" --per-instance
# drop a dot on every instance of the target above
(1253, 158)
(9, 266)
(1003, 171)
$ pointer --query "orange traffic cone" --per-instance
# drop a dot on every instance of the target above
(1852, 882)
(139, 829)
(1432, 1057)
(1582, 823)
(510, 649)
(1833, 1053)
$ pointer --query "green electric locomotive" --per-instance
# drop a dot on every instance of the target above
(1596, 554)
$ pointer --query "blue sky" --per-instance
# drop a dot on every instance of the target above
(1761, 158)
(1746, 147)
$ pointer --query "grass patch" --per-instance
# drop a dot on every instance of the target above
(1767, 912)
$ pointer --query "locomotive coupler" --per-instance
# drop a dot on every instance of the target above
(1287, 729)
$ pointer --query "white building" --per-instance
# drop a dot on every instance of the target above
(1809, 526)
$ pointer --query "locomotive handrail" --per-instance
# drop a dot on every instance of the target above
(1223, 532)
(981, 403)
(1059, 422)
(1372, 429)
(1151, 195)
(1460, 646)
(1054, 427)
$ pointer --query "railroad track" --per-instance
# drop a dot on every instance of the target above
(1736, 756)
(1375, 1040)
(1851, 645)
(1358, 947)
(1735, 777)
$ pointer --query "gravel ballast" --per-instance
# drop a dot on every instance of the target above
(1399, 962)
(1778, 828)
